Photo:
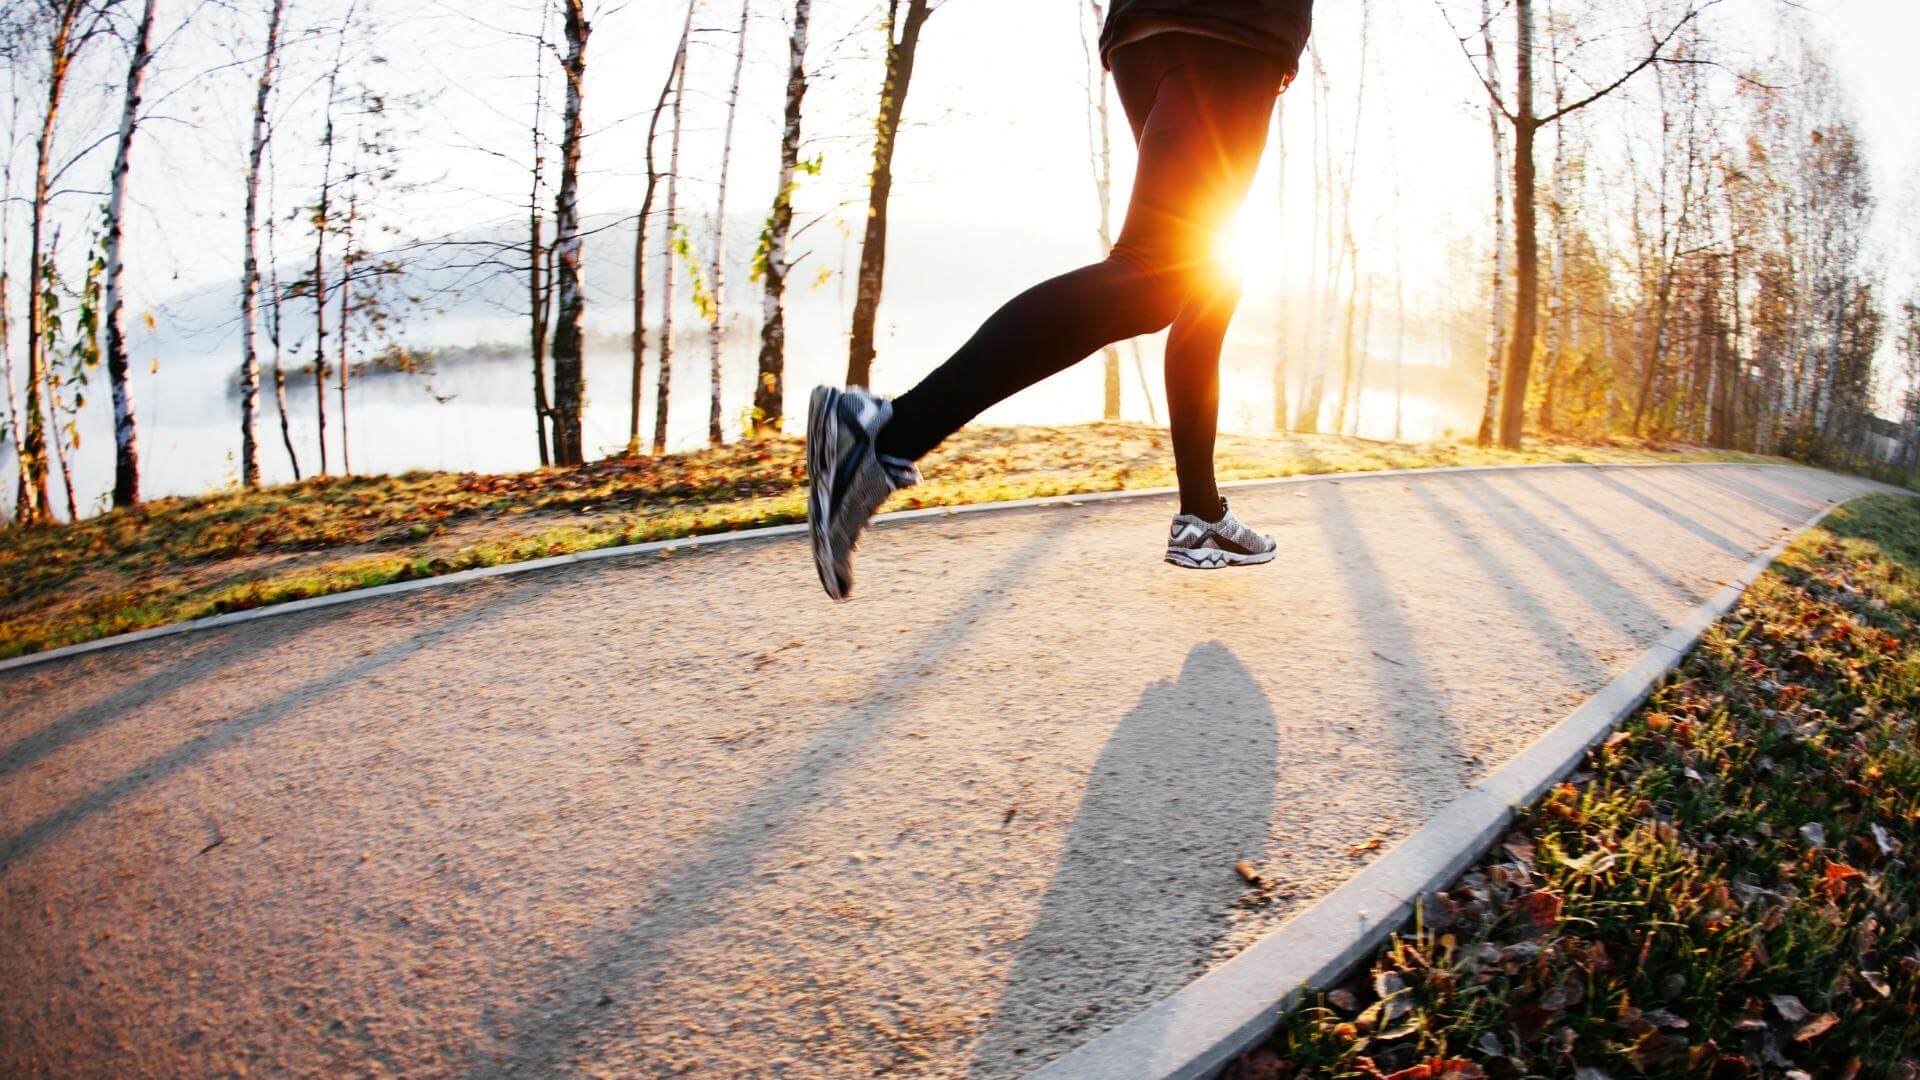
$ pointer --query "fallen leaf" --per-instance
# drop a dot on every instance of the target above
(1366, 845)
(1441, 1069)
(1789, 1008)
(1538, 910)
(1837, 876)
(1815, 1027)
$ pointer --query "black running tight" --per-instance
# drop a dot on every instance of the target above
(1199, 109)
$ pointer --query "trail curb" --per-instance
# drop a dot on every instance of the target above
(1201, 1028)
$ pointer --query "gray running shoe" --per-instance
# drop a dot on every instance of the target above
(1209, 545)
(847, 479)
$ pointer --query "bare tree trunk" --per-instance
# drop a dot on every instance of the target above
(15, 418)
(1526, 292)
(539, 293)
(665, 375)
(717, 325)
(639, 340)
(1556, 209)
(1399, 335)
(1306, 417)
(1349, 375)
(1656, 357)
(273, 335)
(48, 299)
(1100, 151)
(873, 252)
(1497, 315)
(1283, 310)
(126, 453)
(769, 393)
(346, 309)
(321, 223)
(1345, 400)
(1399, 283)
(1360, 355)
(60, 52)
(569, 378)
(14, 415)
(60, 443)
(250, 267)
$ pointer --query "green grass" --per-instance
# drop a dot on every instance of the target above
(184, 558)
(1725, 889)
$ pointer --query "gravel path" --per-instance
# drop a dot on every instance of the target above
(680, 815)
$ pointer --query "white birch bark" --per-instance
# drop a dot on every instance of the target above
(768, 389)
(126, 454)
(717, 324)
(250, 265)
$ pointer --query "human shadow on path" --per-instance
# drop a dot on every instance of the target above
(540, 1029)
(1183, 789)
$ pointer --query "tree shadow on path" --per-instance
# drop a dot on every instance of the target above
(1183, 789)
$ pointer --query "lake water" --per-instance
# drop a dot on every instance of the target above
(477, 415)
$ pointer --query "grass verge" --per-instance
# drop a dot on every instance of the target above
(184, 558)
(1722, 889)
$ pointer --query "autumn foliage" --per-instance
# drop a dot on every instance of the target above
(1722, 890)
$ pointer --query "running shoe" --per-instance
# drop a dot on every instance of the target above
(1198, 544)
(847, 479)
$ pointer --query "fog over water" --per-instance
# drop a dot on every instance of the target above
(474, 412)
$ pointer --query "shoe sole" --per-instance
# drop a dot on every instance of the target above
(822, 451)
(1214, 558)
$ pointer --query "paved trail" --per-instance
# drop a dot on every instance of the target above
(680, 815)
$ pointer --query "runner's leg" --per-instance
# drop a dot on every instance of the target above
(1190, 101)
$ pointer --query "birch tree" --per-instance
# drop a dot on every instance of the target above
(1525, 121)
(1306, 417)
(322, 225)
(126, 454)
(665, 372)
(903, 40)
(640, 233)
(11, 50)
(274, 298)
(1100, 149)
(1497, 311)
(717, 312)
(569, 376)
(63, 29)
(1282, 322)
(539, 281)
(772, 263)
(250, 269)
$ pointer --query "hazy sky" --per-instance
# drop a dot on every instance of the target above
(996, 140)
(997, 128)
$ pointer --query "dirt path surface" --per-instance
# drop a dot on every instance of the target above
(681, 815)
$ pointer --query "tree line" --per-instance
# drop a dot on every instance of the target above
(1678, 232)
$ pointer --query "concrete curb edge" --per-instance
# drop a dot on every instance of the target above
(1202, 1027)
(684, 543)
